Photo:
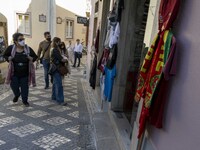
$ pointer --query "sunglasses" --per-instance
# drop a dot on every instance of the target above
(21, 39)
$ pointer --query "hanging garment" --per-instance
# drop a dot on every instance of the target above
(103, 60)
(96, 45)
(109, 80)
(93, 73)
(112, 57)
(114, 36)
(167, 13)
(102, 86)
(151, 72)
(160, 95)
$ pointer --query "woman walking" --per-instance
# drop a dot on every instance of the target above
(21, 71)
(57, 60)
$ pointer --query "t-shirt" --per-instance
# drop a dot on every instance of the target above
(109, 80)
(21, 62)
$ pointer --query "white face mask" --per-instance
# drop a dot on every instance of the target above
(22, 43)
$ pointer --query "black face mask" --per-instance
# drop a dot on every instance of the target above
(48, 39)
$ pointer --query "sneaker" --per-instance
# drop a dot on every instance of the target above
(15, 99)
(63, 104)
(46, 87)
(26, 104)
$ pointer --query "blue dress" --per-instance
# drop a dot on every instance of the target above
(109, 80)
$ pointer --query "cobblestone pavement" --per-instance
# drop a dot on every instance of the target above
(46, 125)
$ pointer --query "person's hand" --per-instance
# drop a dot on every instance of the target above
(10, 58)
(30, 58)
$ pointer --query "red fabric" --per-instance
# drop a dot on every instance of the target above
(167, 13)
(103, 60)
(160, 95)
(151, 76)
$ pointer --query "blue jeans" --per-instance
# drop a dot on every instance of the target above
(57, 88)
(19, 86)
(46, 65)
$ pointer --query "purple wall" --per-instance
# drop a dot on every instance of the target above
(182, 119)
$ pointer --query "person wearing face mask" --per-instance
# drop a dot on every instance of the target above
(21, 69)
(57, 59)
(44, 49)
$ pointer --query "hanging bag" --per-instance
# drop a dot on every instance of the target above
(62, 69)
(41, 58)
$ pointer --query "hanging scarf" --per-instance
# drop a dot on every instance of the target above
(31, 77)
(150, 73)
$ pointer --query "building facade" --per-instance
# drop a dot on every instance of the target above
(33, 18)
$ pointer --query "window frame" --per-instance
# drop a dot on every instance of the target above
(69, 21)
(24, 24)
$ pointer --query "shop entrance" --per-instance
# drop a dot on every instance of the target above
(3, 35)
(130, 107)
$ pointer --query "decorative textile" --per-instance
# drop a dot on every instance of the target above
(160, 95)
(109, 80)
(151, 72)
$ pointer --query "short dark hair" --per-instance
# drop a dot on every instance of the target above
(47, 32)
(16, 36)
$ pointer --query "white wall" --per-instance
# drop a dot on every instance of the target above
(152, 22)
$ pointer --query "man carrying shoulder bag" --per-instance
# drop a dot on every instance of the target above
(44, 49)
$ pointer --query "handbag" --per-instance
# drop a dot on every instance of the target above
(79, 54)
(62, 69)
(52, 69)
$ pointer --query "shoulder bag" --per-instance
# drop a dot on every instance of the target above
(41, 58)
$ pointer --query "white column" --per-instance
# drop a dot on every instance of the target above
(52, 17)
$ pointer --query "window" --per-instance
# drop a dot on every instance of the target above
(69, 29)
(24, 23)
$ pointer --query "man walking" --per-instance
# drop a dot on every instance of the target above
(77, 52)
(44, 49)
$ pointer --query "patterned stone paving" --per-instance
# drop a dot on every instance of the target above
(37, 113)
(51, 141)
(26, 130)
(46, 125)
(8, 121)
(56, 121)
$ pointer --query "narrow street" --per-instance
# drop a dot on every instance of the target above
(46, 125)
